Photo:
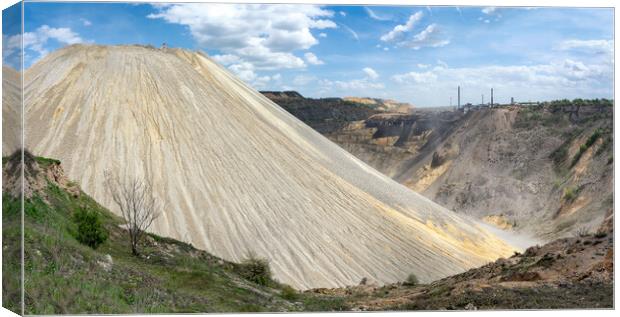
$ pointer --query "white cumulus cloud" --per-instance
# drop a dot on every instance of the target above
(353, 87)
(566, 78)
(401, 29)
(415, 77)
(262, 35)
(596, 46)
(431, 36)
(312, 59)
(37, 41)
(371, 73)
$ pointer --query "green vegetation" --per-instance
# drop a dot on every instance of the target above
(545, 113)
(66, 276)
(559, 155)
(607, 142)
(411, 280)
(90, 231)
(580, 103)
(44, 162)
(289, 293)
(256, 269)
(584, 147)
(529, 117)
(569, 194)
(11, 253)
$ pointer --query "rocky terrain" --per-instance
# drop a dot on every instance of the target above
(543, 171)
(387, 105)
(65, 276)
(236, 172)
(235, 168)
(575, 272)
(325, 115)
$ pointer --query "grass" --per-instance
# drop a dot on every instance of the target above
(584, 147)
(570, 194)
(63, 276)
(560, 154)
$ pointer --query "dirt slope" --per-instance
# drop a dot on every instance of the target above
(66, 276)
(512, 167)
(575, 272)
(11, 110)
(237, 172)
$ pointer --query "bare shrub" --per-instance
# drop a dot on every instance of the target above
(138, 206)
(582, 232)
(255, 269)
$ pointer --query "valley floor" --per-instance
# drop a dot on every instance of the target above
(64, 276)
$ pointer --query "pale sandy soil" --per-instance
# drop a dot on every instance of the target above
(237, 172)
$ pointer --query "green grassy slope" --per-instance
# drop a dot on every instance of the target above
(64, 276)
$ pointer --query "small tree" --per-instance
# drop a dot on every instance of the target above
(137, 204)
(411, 280)
(90, 230)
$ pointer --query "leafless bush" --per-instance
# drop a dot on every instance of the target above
(138, 206)
(582, 232)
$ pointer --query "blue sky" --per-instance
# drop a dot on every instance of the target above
(412, 54)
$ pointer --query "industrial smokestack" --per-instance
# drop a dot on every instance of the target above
(459, 98)
(491, 97)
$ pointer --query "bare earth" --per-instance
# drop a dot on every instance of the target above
(237, 172)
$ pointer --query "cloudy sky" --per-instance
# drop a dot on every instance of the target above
(413, 54)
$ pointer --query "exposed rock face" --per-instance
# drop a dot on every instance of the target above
(509, 161)
(282, 94)
(35, 178)
(237, 172)
(325, 115)
(388, 105)
(572, 272)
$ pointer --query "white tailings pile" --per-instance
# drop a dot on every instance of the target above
(237, 172)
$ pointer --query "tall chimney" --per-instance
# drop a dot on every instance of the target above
(491, 97)
(459, 98)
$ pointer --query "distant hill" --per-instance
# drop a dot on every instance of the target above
(322, 114)
(387, 105)
(282, 94)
